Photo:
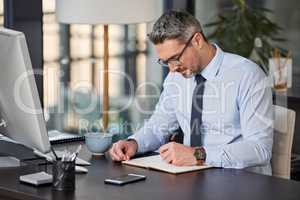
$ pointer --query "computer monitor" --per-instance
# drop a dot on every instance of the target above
(20, 107)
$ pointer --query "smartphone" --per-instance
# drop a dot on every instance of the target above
(122, 180)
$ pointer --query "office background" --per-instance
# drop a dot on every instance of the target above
(69, 58)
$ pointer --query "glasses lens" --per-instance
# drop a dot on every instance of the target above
(162, 63)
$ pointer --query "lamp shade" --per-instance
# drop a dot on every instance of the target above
(107, 11)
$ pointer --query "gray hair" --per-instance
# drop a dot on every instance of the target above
(174, 25)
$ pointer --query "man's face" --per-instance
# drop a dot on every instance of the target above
(183, 57)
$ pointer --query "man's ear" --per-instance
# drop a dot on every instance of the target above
(198, 40)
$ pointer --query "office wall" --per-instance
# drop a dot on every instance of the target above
(205, 12)
(287, 15)
(26, 16)
(1, 13)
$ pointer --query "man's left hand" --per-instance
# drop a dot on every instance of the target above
(178, 154)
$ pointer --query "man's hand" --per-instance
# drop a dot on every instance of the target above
(178, 154)
(123, 150)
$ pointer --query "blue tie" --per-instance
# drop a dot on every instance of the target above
(196, 114)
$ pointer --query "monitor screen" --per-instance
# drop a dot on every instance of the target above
(21, 114)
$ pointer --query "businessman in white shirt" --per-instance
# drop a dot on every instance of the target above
(221, 101)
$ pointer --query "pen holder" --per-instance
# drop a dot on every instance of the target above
(63, 175)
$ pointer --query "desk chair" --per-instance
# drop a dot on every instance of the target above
(284, 124)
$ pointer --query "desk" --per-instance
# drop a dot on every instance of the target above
(210, 184)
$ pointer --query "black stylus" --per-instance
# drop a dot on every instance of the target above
(56, 157)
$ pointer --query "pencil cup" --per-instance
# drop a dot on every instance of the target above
(63, 175)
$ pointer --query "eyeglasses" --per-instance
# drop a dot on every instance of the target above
(175, 59)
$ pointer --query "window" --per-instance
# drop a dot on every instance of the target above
(1, 14)
(73, 57)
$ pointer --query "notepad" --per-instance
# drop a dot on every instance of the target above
(37, 178)
(155, 162)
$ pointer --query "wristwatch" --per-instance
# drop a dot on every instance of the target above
(200, 155)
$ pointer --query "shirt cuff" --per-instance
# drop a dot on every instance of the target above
(213, 156)
(141, 149)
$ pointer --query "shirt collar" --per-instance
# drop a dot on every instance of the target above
(212, 69)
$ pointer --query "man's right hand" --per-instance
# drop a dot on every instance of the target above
(123, 150)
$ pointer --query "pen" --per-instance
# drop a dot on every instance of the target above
(63, 156)
(74, 155)
(56, 157)
(78, 150)
(172, 138)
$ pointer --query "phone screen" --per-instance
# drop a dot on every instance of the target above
(129, 178)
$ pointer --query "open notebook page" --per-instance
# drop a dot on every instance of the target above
(155, 162)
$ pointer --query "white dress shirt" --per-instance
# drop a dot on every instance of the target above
(237, 127)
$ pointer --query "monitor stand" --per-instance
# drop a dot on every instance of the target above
(16, 150)
(8, 161)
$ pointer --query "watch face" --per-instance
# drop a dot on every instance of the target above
(199, 154)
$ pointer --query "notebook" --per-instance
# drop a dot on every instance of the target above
(37, 178)
(155, 162)
(57, 137)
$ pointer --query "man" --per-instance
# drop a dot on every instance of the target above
(221, 101)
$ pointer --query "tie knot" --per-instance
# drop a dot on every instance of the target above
(199, 79)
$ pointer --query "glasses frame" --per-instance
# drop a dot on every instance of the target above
(176, 60)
